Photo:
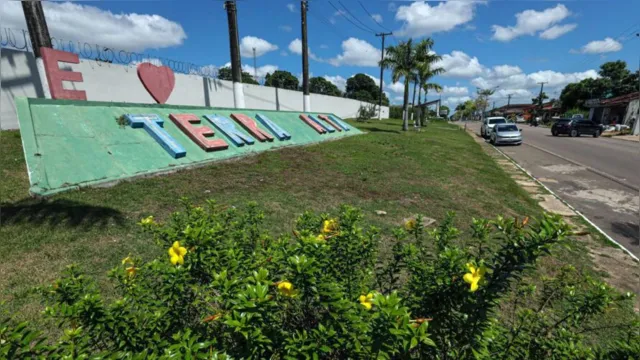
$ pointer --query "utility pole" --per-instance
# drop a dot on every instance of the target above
(381, 73)
(305, 57)
(509, 100)
(255, 67)
(236, 66)
(39, 35)
(37, 25)
(540, 95)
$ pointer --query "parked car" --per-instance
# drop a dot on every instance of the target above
(505, 134)
(489, 123)
(576, 127)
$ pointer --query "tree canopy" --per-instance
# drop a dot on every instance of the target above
(536, 100)
(282, 79)
(615, 80)
(224, 73)
(362, 87)
(320, 85)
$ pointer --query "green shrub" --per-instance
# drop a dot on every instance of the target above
(226, 289)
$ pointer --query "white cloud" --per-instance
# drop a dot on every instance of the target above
(453, 101)
(455, 90)
(262, 70)
(392, 7)
(85, 23)
(377, 18)
(291, 7)
(506, 70)
(285, 28)
(553, 79)
(421, 19)
(601, 46)
(324, 46)
(357, 52)
(556, 31)
(459, 64)
(284, 53)
(248, 43)
(529, 22)
(295, 47)
(338, 81)
(396, 87)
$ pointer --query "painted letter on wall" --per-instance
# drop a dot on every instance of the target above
(324, 126)
(340, 123)
(153, 124)
(229, 128)
(55, 76)
(199, 135)
(275, 129)
(250, 125)
(313, 124)
(325, 118)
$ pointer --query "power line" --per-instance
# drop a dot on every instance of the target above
(371, 17)
(349, 20)
(353, 16)
(330, 26)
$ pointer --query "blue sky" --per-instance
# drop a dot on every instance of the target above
(510, 44)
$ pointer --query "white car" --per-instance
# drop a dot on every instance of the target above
(503, 134)
(489, 123)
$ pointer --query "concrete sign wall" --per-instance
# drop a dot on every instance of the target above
(70, 144)
(120, 83)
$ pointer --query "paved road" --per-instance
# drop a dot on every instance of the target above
(611, 156)
(588, 187)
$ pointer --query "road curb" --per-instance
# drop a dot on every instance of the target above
(568, 205)
(589, 168)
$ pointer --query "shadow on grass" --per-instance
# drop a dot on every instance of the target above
(57, 213)
(376, 129)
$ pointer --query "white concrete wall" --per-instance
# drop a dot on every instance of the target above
(120, 83)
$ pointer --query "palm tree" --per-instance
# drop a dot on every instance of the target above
(424, 60)
(402, 60)
(425, 72)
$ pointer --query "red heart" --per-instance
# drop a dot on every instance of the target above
(158, 80)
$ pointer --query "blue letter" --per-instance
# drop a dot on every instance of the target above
(341, 123)
(229, 128)
(153, 124)
(328, 128)
(275, 129)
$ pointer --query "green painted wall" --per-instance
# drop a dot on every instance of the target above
(69, 144)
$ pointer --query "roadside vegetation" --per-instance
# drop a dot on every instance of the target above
(397, 290)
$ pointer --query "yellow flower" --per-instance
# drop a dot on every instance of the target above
(286, 288)
(131, 271)
(321, 238)
(127, 260)
(411, 224)
(147, 221)
(329, 226)
(474, 275)
(177, 253)
(365, 300)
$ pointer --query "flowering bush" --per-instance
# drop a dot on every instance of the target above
(226, 289)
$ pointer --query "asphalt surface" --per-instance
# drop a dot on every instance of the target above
(599, 177)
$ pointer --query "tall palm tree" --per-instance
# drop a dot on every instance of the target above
(402, 61)
(425, 72)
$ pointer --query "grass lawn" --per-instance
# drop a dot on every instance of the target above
(431, 172)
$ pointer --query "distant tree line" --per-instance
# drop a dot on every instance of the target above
(359, 87)
(615, 80)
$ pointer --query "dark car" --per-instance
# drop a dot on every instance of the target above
(576, 127)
